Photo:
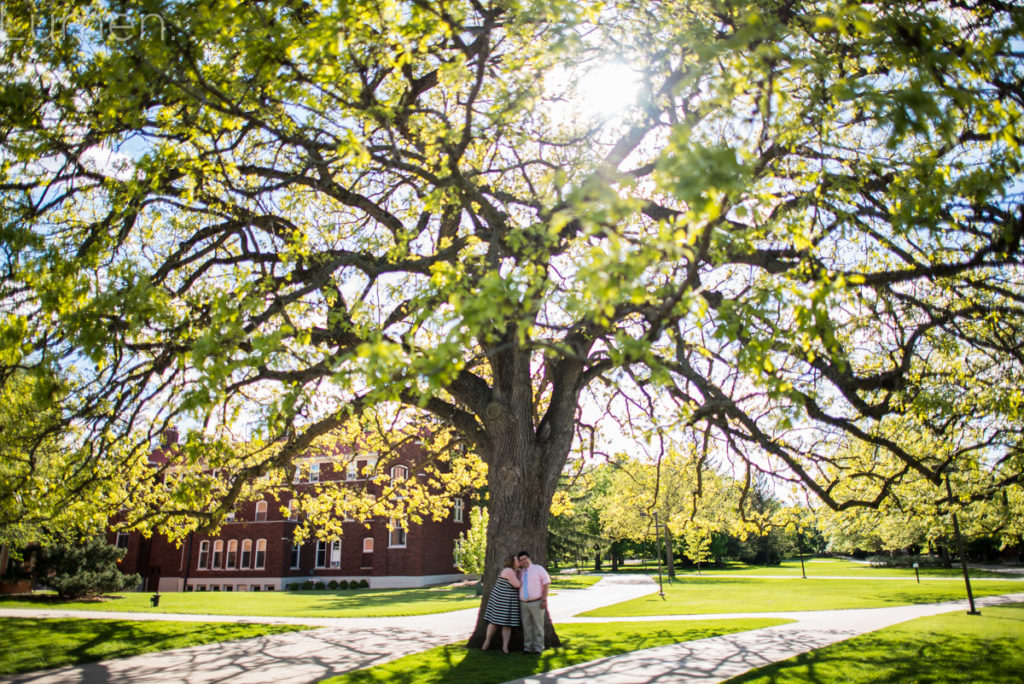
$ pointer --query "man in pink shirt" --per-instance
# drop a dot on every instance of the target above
(533, 602)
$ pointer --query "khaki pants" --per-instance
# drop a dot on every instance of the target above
(533, 625)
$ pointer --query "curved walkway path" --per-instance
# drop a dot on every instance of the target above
(345, 644)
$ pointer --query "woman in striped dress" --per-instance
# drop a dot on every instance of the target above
(503, 604)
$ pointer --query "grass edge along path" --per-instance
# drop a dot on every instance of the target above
(32, 644)
(581, 643)
(695, 596)
(300, 604)
(950, 647)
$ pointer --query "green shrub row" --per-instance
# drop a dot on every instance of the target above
(333, 584)
(906, 561)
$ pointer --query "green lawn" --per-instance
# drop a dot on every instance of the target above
(455, 664)
(817, 567)
(342, 603)
(32, 644)
(954, 647)
(573, 581)
(358, 603)
(698, 595)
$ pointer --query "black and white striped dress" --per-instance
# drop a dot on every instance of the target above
(503, 604)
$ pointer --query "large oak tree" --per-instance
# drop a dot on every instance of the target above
(281, 214)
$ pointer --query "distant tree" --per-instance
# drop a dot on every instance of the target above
(471, 546)
(697, 544)
(77, 570)
(574, 530)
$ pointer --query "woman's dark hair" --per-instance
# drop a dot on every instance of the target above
(510, 562)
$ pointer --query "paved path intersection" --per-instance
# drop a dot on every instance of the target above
(345, 644)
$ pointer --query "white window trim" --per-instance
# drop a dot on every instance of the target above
(256, 563)
(395, 528)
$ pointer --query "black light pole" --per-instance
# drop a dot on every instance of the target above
(960, 547)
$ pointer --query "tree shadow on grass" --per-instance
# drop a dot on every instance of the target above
(932, 658)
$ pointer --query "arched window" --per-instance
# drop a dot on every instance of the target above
(399, 472)
(368, 545)
(232, 554)
(204, 555)
(218, 553)
(261, 510)
(246, 562)
(261, 553)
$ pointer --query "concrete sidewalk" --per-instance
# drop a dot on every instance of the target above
(344, 644)
(720, 658)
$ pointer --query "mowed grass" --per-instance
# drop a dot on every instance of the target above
(573, 581)
(455, 664)
(695, 595)
(38, 644)
(953, 647)
(821, 567)
(359, 603)
(341, 603)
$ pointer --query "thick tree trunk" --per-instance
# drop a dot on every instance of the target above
(525, 450)
(521, 489)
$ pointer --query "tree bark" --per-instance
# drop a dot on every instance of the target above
(670, 564)
(521, 490)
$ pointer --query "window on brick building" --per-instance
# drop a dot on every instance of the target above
(218, 553)
(246, 560)
(457, 508)
(368, 545)
(296, 555)
(321, 554)
(314, 472)
(336, 553)
(261, 554)
(399, 472)
(204, 555)
(261, 510)
(232, 554)
(293, 509)
(396, 537)
(121, 542)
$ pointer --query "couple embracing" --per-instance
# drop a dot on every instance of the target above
(521, 590)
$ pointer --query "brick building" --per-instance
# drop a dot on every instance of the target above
(254, 551)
